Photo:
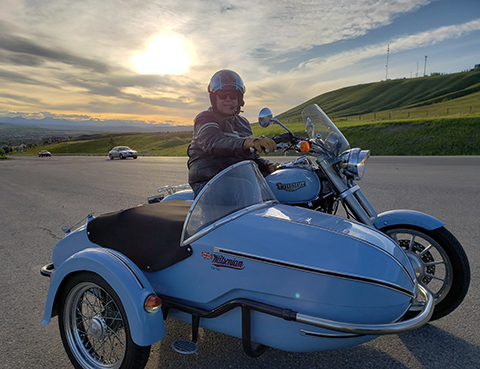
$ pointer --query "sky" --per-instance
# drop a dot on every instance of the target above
(151, 60)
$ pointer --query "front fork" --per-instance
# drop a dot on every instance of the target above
(352, 195)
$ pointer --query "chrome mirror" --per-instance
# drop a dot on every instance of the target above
(265, 117)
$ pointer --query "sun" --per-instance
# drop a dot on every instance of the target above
(165, 55)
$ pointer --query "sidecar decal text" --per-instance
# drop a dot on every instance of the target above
(221, 261)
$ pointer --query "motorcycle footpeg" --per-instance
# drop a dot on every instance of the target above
(185, 347)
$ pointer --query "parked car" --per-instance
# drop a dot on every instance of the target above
(44, 153)
(122, 152)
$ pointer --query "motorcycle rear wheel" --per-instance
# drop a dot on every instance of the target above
(94, 326)
(440, 264)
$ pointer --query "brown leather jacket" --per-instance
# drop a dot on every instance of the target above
(218, 143)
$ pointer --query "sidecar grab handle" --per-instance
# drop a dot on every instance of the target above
(376, 329)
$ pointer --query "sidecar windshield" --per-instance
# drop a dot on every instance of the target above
(321, 129)
(236, 190)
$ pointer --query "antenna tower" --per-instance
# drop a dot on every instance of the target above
(386, 67)
(425, 68)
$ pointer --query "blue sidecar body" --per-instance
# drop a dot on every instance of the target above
(236, 261)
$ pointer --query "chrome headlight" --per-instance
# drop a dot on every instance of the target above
(353, 162)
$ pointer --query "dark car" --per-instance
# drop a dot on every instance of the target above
(122, 152)
(44, 153)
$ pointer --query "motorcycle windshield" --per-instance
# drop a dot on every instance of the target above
(323, 131)
(240, 187)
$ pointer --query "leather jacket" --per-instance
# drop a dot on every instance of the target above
(218, 143)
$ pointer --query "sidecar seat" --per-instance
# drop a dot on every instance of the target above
(149, 235)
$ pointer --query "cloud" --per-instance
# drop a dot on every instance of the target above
(75, 55)
(399, 44)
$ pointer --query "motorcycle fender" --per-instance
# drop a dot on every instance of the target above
(407, 217)
(128, 281)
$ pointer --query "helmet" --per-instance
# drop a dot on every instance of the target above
(226, 80)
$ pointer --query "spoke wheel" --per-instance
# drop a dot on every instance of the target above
(94, 326)
(440, 264)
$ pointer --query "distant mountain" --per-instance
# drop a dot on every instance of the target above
(107, 126)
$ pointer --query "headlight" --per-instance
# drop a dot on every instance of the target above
(354, 162)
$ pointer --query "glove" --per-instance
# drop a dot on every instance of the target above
(272, 167)
(261, 144)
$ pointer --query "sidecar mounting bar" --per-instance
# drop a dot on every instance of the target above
(357, 329)
(169, 302)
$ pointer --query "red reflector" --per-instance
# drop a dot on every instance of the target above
(152, 304)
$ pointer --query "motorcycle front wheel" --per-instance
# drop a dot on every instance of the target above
(440, 263)
(94, 326)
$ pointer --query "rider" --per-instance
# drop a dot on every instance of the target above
(221, 137)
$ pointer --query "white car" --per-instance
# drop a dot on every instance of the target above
(122, 152)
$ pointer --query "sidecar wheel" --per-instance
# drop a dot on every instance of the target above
(94, 326)
(440, 264)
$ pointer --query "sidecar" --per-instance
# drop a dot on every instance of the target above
(234, 261)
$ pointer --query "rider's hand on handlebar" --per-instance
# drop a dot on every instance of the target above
(261, 144)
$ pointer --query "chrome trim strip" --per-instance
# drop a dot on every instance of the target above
(303, 332)
(309, 269)
(351, 236)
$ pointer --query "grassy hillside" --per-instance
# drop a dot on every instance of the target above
(438, 115)
(160, 144)
(435, 93)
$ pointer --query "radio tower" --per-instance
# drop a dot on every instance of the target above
(425, 68)
(386, 67)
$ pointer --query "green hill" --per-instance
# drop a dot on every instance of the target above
(399, 95)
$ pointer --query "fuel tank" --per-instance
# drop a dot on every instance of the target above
(294, 185)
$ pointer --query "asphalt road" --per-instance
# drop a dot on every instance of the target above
(40, 195)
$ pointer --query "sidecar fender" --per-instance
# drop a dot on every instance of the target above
(128, 281)
(186, 195)
(406, 217)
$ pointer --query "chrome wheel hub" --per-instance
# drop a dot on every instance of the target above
(96, 328)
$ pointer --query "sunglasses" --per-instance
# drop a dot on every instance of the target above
(223, 95)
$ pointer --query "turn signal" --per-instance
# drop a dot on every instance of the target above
(153, 303)
(304, 146)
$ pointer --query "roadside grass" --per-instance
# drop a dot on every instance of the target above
(434, 136)
(164, 144)
(443, 137)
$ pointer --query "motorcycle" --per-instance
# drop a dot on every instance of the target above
(326, 179)
(234, 260)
